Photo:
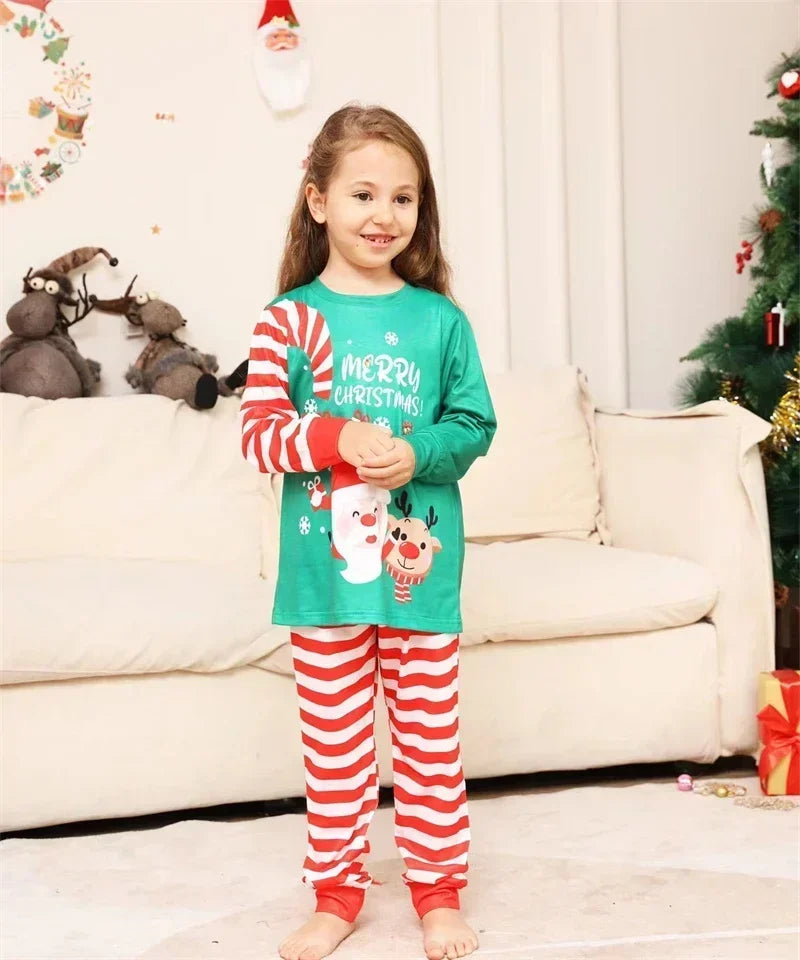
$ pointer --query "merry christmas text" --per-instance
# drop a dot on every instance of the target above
(379, 369)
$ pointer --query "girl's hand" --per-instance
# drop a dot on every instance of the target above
(359, 440)
(391, 469)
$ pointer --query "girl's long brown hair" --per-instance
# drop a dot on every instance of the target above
(305, 254)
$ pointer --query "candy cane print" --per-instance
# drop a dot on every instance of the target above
(274, 437)
(306, 328)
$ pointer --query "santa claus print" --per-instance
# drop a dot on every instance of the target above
(409, 548)
(359, 518)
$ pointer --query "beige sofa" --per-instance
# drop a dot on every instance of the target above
(617, 599)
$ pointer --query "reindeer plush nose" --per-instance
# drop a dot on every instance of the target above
(409, 550)
(369, 519)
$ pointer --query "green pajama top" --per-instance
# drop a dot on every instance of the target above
(352, 552)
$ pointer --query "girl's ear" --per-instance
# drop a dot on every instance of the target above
(316, 203)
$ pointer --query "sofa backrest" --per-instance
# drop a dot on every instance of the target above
(137, 477)
(541, 476)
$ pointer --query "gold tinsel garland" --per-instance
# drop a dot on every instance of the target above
(785, 417)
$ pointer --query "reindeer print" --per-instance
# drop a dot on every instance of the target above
(409, 548)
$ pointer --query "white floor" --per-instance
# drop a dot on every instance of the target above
(616, 871)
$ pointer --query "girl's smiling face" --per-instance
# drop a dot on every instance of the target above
(371, 206)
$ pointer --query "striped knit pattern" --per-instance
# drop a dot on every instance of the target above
(404, 578)
(402, 594)
(402, 588)
(274, 436)
(336, 671)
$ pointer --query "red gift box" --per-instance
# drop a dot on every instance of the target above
(779, 731)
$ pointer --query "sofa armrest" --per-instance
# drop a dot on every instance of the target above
(690, 483)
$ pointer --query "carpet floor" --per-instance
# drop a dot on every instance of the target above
(621, 871)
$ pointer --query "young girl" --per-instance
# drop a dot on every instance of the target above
(365, 389)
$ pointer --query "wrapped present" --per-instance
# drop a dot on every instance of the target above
(779, 731)
(39, 107)
(51, 171)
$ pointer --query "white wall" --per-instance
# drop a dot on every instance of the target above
(592, 160)
(691, 169)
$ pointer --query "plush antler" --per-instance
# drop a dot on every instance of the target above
(432, 519)
(117, 305)
(403, 504)
(83, 307)
(82, 301)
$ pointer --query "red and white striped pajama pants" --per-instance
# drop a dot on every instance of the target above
(336, 670)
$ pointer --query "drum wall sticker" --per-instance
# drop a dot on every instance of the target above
(46, 100)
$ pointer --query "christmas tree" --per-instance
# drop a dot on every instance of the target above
(753, 360)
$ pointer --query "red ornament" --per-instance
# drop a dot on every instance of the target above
(774, 332)
(789, 85)
(771, 321)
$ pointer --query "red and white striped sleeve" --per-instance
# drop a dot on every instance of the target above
(275, 438)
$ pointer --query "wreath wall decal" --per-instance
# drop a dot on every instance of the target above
(59, 107)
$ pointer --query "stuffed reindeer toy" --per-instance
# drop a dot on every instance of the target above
(39, 358)
(167, 366)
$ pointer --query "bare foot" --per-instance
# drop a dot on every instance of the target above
(447, 935)
(317, 938)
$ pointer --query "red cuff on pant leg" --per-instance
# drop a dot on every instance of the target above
(344, 902)
(429, 896)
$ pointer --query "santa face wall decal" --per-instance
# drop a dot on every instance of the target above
(280, 57)
(359, 518)
(409, 548)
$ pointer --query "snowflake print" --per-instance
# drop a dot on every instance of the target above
(382, 422)
(391, 338)
(310, 406)
(305, 525)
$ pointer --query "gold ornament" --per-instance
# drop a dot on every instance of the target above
(720, 789)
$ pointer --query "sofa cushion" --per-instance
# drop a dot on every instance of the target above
(131, 477)
(545, 588)
(541, 476)
(87, 617)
